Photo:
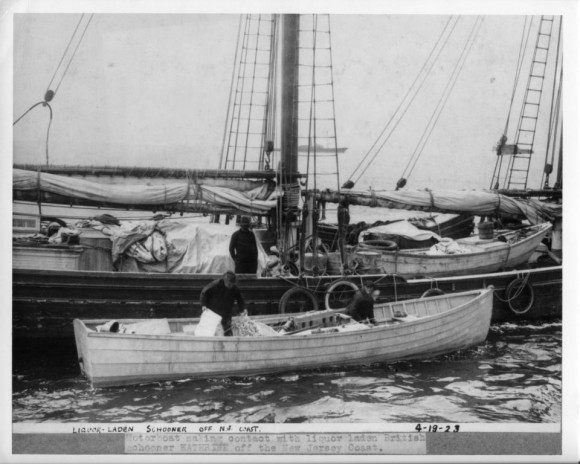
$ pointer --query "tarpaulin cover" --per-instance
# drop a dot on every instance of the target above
(400, 228)
(189, 247)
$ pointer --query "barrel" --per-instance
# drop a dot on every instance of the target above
(367, 259)
(320, 261)
(485, 230)
(334, 264)
(96, 255)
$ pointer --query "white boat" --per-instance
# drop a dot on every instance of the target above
(468, 256)
(412, 329)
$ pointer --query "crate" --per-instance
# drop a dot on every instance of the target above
(25, 224)
(46, 257)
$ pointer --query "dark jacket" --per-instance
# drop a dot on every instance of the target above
(361, 307)
(243, 248)
(220, 299)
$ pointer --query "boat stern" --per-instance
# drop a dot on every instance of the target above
(83, 353)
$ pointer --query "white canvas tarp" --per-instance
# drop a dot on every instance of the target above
(189, 247)
(400, 228)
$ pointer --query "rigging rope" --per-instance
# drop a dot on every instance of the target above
(252, 95)
(523, 107)
(558, 112)
(312, 116)
(426, 69)
(74, 53)
(554, 109)
(444, 97)
(519, 64)
(64, 53)
(50, 94)
(230, 97)
(270, 109)
(333, 108)
(242, 71)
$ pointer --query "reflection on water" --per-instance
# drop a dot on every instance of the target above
(515, 376)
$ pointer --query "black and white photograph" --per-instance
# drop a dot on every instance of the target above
(274, 231)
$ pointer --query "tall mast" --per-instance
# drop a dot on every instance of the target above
(289, 110)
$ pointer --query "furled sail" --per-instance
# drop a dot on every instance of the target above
(93, 191)
(478, 202)
(260, 200)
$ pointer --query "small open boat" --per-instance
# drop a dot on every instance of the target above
(466, 256)
(411, 329)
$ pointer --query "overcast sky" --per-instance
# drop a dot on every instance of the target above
(152, 90)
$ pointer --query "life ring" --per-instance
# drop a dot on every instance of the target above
(432, 292)
(385, 245)
(515, 296)
(297, 300)
(339, 294)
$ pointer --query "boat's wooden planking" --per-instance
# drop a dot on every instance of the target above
(442, 324)
(491, 258)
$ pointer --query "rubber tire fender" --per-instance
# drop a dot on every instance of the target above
(334, 286)
(385, 245)
(517, 285)
(294, 291)
(432, 292)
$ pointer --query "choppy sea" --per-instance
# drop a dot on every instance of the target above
(514, 376)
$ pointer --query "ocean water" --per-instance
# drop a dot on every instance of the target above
(514, 376)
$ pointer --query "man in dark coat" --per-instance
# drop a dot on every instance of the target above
(219, 296)
(243, 248)
(361, 308)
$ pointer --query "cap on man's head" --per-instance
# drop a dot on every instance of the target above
(229, 277)
(244, 220)
(369, 284)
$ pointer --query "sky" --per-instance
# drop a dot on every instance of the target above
(152, 90)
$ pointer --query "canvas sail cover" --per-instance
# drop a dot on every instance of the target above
(478, 202)
(258, 200)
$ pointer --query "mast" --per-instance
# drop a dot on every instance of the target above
(289, 110)
(288, 170)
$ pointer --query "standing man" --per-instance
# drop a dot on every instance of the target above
(219, 296)
(361, 308)
(243, 248)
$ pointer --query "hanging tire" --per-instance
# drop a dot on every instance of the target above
(384, 245)
(432, 292)
(520, 296)
(339, 294)
(298, 300)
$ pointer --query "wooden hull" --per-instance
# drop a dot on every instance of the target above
(44, 304)
(441, 325)
(494, 257)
